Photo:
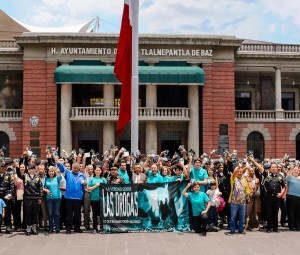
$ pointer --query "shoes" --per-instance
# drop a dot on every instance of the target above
(95, 231)
(229, 233)
(18, 230)
(8, 231)
(50, 231)
(78, 231)
(68, 232)
(87, 228)
(28, 233)
(242, 232)
(283, 225)
(35, 233)
(276, 230)
(268, 230)
(203, 233)
(57, 231)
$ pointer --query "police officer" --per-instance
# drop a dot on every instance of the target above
(7, 192)
(113, 177)
(33, 192)
(274, 186)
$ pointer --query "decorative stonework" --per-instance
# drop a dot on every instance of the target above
(4, 127)
(256, 127)
(295, 131)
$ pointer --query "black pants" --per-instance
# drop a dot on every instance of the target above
(282, 207)
(96, 212)
(293, 210)
(200, 223)
(16, 212)
(62, 211)
(73, 213)
(31, 210)
(213, 215)
(272, 208)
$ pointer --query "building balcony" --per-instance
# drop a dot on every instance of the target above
(268, 48)
(9, 45)
(266, 116)
(8, 115)
(145, 114)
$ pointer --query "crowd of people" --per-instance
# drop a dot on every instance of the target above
(223, 191)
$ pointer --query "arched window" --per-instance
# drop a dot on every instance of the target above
(256, 144)
(4, 143)
(298, 146)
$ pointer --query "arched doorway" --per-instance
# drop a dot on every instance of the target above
(256, 144)
(298, 146)
(4, 143)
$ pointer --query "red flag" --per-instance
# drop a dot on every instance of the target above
(123, 68)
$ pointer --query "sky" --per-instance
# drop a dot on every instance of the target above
(274, 21)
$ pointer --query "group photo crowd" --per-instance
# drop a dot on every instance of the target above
(225, 191)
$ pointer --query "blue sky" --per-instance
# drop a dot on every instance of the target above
(263, 20)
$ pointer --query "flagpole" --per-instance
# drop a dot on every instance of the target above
(135, 76)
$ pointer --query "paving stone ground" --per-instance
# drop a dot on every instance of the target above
(255, 242)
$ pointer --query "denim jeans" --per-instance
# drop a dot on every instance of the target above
(241, 210)
(53, 213)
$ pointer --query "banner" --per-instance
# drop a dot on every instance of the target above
(156, 207)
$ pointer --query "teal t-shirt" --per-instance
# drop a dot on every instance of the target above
(199, 175)
(167, 178)
(125, 176)
(95, 194)
(198, 201)
(293, 185)
(54, 186)
(175, 177)
(155, 178)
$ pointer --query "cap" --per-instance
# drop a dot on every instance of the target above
(32, 166)
(113, 166)
(8, 161)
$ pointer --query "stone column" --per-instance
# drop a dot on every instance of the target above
(193, 126)
(278, 107)
(151, 127)
(65, 123)
(108, 126)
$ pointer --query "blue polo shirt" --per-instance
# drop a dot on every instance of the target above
(95, 194)
(293, 185)
(54, 186)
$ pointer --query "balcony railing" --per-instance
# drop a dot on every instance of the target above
(145, 114)
(268, 48)
(266, 116)
(6, 45)
(10, 115)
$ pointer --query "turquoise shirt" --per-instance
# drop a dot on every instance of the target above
(155, 178)
(198, 201)
(54, 186)
(293, 185)
(167, 178)
(175, 177)
(199, 175)
(125, 176)
(2, 205)
(95, 194)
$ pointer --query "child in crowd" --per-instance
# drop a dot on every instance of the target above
(213, 194)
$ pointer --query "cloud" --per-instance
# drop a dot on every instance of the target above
(268, 20)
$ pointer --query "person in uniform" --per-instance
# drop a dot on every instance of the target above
(113, 177)
(33, 193)
(275, 187)
(7, 192)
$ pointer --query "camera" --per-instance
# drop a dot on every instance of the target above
(225, 153)
(123, 149)
(165, 153)
(191, 153)
(250, 154)
(181, 149)
(193, 182)
(73, 154)
(2, 149)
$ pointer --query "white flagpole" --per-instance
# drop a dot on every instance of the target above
(134, 5)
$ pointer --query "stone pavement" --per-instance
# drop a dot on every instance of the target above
(255, 242)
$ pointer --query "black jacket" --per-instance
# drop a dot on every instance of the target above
(33, 187)
(7, 185)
